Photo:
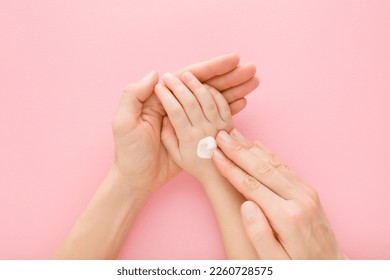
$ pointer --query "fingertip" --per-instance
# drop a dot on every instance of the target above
(252, 68)
(148, 76)
(167, 76)
(238, 105)
(235, 56)
(256, 81)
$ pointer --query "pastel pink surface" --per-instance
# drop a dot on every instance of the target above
(323, 107)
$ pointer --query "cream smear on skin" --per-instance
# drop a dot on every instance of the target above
(206, 146)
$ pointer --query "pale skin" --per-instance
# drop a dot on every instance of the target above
(196, 111)
(283, 216)
(142, 163)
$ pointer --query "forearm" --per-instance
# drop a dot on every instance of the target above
(100, 231)
(226, 202)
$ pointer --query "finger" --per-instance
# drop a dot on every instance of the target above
(142, 89)
(240, 91)
(235, 77)
(173, 108)
(213, 67)
(222, 105)
(237, 106)
(261, 151)
(260, 233)
(206, 101)
(130, 104)
(247, 185)
(185, 97)
(256, 166)
(169, 138)
(282, 168)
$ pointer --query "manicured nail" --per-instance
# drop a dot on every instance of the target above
(218, 154)
(188, 76)
(148, 76)
(236, 134)
(224, 136)
(168, 76)
(249, 210)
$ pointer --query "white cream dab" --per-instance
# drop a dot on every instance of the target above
(206, 146)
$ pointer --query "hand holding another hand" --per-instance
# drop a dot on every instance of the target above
(140, 156)
(283, 218)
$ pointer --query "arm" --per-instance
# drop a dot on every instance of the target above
(226, 202)
(196, 111)
(283, 216)
(102, 228)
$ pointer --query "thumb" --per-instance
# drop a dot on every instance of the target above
(130, 105)
(141, 89)
(135, 93)
(260, 233)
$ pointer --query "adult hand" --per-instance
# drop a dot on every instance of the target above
(283, 217)
(140, 156)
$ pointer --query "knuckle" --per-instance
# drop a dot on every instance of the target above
(129, 89)
(225, 113)
(295, 215)
(274, 160)
(237, 148)
(313, 195)
(251, 183)
(263, 168)
(222, 125)
(310, 206)
(191, 103)
(176, 112)
(259, 234)
(209, 106)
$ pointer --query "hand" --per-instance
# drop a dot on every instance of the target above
(283, 217)
(140, 156)
(195, 111)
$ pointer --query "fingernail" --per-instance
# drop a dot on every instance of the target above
(168, 76)
(188, 76)
(219, 155)
(249, 210)
(236, 134)
(148, 76)
(224, 136)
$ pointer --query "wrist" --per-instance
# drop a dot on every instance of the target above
(127, 185)
(211, 179)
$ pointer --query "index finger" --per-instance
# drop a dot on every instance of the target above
(257, 166)
(206, 70)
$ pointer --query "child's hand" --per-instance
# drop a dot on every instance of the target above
(195, 111)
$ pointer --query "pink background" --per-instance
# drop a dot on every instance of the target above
(323, 107)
